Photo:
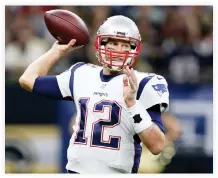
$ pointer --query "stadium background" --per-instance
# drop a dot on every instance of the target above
(177, 43)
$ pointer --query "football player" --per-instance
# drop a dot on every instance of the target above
(117, 107)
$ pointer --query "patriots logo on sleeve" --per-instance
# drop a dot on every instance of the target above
(160, 88)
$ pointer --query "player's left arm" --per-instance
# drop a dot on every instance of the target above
(153, 137)
(151, 93)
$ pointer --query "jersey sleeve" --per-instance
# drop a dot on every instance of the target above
(63, 81)
(153, 90)
(59, 86)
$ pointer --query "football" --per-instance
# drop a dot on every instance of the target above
(65, 25)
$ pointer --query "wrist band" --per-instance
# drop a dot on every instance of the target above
(141, 120)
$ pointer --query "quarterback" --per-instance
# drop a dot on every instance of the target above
(117, 107)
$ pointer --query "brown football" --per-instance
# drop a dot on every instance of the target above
(65, 25)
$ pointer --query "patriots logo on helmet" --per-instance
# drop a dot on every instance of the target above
(160, 88)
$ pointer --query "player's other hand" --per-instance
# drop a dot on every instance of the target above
(63, 49)
(130, 87)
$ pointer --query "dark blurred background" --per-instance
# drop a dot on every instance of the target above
(177, 43)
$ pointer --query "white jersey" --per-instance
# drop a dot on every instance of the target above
(103, 138)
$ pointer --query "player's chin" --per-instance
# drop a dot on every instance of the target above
(114, 65)
(115, 69)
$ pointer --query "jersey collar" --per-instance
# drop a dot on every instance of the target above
(107, 78)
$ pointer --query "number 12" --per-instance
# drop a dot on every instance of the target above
(98, 127)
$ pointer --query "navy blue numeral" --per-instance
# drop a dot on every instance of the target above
(98, 127)
(80, 138)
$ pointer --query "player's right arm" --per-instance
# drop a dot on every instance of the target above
(34, 77)
(44, 63)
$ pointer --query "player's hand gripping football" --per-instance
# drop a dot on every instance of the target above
(130, 87)
(64, 49)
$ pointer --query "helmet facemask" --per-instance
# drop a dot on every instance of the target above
(116, 60)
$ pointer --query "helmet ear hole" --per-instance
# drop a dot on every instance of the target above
(103, 43)
(133, 47)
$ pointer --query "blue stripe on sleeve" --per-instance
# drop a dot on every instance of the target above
(72, 76)
(156, 118)
(48, 86)
(142, 84)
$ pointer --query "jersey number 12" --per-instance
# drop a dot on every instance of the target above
(98, 127)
